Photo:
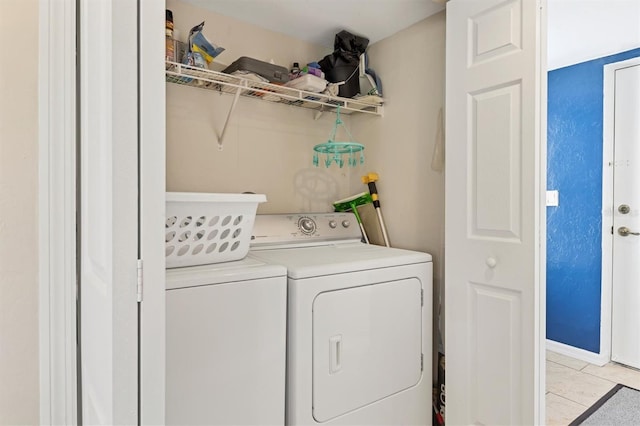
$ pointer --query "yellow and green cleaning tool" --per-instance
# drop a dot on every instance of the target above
(370, 180)
(352, 203)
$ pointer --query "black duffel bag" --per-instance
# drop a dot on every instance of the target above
(342, 64)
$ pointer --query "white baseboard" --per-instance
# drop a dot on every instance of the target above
(577, 353)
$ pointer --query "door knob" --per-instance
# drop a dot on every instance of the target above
(625, 232)
(624, 209)
(491, 262)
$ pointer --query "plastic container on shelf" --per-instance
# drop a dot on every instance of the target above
(315, 71)
(203, 228)
(170, 50)
(308, 82)
(295, 71)
(274, 73)
(169, 23)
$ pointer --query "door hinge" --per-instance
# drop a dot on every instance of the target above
(421, 297)
(421, 362)
(139, 284)
(612, 230)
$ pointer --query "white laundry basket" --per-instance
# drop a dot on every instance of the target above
(204, 228)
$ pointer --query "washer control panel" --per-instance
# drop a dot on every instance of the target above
(304, 228)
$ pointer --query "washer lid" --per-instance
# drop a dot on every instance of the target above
(219, 273)
(306, 262)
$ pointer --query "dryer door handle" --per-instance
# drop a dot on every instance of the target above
(335, 354)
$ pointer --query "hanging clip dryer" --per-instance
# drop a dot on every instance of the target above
(334, 152)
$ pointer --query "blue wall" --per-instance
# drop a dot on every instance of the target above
(574, 168)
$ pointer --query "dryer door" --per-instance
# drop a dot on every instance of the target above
(366, 345)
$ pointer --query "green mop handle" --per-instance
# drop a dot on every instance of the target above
(354, 209)
(370, 179)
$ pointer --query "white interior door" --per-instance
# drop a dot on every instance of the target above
(495, 171)
(625, 340)
(109, 212)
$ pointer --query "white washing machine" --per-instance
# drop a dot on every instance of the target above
(359, 322)
(226, 344)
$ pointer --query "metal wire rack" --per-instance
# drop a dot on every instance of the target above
(239, 86)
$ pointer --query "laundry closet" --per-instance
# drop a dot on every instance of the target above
(126, 124)
(268, 148)
(215, 145)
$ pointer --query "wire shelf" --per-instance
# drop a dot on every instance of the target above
(234, 85)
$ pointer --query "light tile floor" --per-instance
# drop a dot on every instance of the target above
(574, 385)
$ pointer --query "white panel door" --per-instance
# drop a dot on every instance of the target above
(625, 340)
(108, 212)
(494, 213)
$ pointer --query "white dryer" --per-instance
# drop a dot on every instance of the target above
(226, 344)
(359, 322)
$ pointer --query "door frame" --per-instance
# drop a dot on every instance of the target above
(57, 212)
(152, 189)
(608, 147)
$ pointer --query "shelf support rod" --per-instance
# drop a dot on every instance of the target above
(226, 123)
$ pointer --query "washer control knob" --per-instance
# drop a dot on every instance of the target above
(333, 224)
(346, 223)
(307, 225)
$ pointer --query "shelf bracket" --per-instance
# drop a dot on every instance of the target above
(226, 123)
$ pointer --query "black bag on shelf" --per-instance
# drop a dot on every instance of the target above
(342, 64)
(350, 43)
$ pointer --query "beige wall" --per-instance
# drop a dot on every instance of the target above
(19, 388)
(268, 148)
(400, 146)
